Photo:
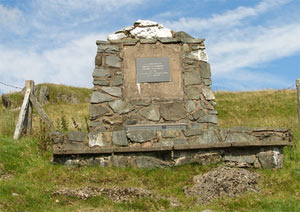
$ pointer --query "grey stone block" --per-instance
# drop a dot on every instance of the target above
(149, 162)
(197, 46)
(113, 91)
(57, 137)
(190, 106)
(240, 158)
(172, 141)
(98, 97)
(120, 106)
(192, 93)
(196, 125)
(98, 42)
(172, 111)
(148, 41)
(101, 72)
(101, 82)
(108, 48)
(98, 111)
(197, 114)
(191, 78)
(170, 133)
(150, 113)
(185, 37)
(141, 136)
(207, 93)
(117, 80)
(74, 146)
(240, 137)
(199, 158)
(119, 138)
(97, 139)
(196, 41)
(270, 159)
(192, 132)
(213, 112)
(113, 61)
(208, 119)
(98, 60)
(208, 136)
(205, 70)
(76, 136)
(169, 40)
(186, 48)
(129, 41)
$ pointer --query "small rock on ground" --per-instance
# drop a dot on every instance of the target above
(223, 181)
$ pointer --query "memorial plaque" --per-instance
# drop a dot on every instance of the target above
(168, 86)
(152, 70)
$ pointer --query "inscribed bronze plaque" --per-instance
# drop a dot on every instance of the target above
(152, 69)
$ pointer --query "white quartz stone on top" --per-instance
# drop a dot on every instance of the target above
(128, 28)
(116, 36)
(145, 23)
(151, 32)
(142, 29)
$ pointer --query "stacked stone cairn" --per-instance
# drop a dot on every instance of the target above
(187, 125)
(111, 113)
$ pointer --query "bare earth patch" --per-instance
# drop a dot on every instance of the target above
(116, 194)
(223, 181)
(6, 177)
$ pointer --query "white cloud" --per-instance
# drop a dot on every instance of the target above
(227, 19)
(235, 45)
(61, 53)
(71, 64)
(243, 80)
(256, 47)
(99, 6)
(11, 20)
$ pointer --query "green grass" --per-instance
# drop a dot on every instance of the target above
(58, 92)
(33, 178)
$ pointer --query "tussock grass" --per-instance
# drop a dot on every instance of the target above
(34, 178)
(57, 93)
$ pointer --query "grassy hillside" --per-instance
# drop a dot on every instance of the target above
(28, 179)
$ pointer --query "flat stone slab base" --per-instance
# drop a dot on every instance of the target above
(241, 147)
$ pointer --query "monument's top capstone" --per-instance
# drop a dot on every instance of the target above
(149, 32)
(142, 29)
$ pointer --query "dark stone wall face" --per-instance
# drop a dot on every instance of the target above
(117, 101)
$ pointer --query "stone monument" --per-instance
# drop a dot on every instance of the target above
(152, 101)
(150, 85)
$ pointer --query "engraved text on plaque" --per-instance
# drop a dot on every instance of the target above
(153, 69)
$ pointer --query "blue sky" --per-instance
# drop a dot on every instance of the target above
(251, 44)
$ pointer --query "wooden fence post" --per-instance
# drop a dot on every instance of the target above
(298, 97)
(29, 84)
(41, 112)
(22, 115)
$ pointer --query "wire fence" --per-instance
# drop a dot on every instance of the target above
(275, 91)
(10, 86)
